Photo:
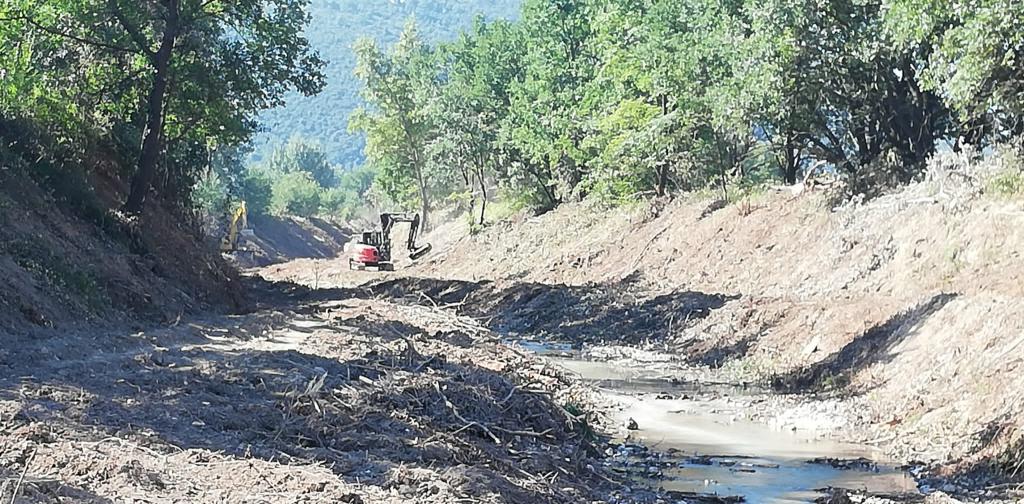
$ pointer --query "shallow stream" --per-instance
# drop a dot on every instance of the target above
(693, 438)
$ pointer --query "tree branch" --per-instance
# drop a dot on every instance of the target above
(53, 31)
(133, 31)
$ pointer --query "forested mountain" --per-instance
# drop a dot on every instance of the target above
(335, 27)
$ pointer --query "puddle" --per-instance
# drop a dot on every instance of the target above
(711, 452)
(691, 439)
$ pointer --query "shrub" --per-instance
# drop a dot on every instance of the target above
(1007, 183)
(296, 194)
(257, 191)
(211, 194)
(339, 203)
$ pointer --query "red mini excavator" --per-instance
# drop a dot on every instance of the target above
(374, 247)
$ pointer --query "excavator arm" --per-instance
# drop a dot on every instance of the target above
(388, 221)
(239, 221)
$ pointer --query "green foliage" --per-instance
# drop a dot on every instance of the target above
(299, 155)
(335, 28)
(979, 45)
(338, 203)
(1008, 183)
(296, 193)
(618, 99)
(187, 76)
(211, 194)
(358, 181)
(399, 84)
(66, 280)
(1007, 180)
(257, 191)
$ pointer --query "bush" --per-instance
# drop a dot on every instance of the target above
(257, 191)
(1009, 183)
(210, 194)
(296, 194)
(298, 155)
(339, 203)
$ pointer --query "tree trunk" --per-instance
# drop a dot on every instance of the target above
(483, 193)
(152, 141)
(424, 198)
(792, 161)
(661, 168)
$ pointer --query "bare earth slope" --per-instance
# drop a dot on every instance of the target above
(912, 305)
(64, 267)
(897, 323)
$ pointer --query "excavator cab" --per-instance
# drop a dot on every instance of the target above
(374, 249)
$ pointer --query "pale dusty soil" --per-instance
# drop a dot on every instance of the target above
(327, 398)
(898, 323)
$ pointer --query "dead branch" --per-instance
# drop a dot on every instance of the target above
(24, 471)
(650, 242)
(468, 423)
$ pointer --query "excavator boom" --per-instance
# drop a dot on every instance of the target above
(239, 223)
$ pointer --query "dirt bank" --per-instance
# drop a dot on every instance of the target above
(895, 323)
(276, 240)
(76, 263)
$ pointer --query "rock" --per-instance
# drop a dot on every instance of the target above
(632, 425)
(837, 497)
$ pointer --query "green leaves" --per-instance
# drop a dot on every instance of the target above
(398, 85)
(621, 98)
(296, 194)
(978, 49)
(299, 155)
(88, 65)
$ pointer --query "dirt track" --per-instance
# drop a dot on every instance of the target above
(330, 398)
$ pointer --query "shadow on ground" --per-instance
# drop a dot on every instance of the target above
(872, 347)
(35, 488)
(312, 238)
(610, 313)
(370, 419)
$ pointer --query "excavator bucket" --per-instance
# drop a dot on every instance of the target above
(420, 252)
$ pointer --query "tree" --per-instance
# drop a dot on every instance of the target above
(202, 68)
(844, 94)
(298, 155)
(977, 63)
(547, 119)
(398, 85)
(297, 194)
(472, 103)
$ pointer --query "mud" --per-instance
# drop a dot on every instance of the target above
(691, 438)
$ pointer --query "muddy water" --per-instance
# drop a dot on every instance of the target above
(704, 446)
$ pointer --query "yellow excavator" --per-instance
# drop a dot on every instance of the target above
(238, 228)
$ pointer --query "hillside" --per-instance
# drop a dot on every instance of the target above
(67, 265)
(335, 27)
